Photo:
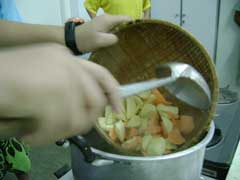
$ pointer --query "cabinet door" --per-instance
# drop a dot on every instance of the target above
(200, 18)
(168, 10)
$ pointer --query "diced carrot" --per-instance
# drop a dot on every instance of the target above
(132, 132)
(154, 130)
(160, 99)
(186, 124)
(132, 144)
(175, 137)
(153, 119)
(112, 134)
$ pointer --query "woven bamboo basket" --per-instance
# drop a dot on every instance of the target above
(143, 45)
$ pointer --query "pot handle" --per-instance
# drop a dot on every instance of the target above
(84, 147)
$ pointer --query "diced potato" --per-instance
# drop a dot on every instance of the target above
(156, 146)
(167, 125)
(120, 130)
(103, 125)
(170, 146)
(144, 125)
(163, 113)
(145, 141)
(138, 102)
(131, 107)
(186, 124)
(110, 120)
(135, 121)
(121, 116)
(145, 95)
(132, 144)
(150, 99)
(175, 137)
(172, 109)
(147, 109)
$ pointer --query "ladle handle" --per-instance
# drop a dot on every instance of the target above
(135, 88)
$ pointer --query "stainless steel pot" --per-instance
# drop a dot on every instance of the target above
(184, 165)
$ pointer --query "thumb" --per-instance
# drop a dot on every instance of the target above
(106, 39)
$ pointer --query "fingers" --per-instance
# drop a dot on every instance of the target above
(94, 98)
(106, 39)
(107, 82)
(107, 22)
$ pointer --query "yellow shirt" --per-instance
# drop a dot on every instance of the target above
(133, 8)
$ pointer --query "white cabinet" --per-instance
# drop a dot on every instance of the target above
(168, 10)
(199, 17)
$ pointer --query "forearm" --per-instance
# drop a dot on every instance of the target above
(147, 14)
(92, 15)
(12, 33)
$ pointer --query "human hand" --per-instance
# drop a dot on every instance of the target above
(62, 96)
(95, 33)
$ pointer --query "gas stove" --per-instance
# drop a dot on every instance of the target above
(220, 151)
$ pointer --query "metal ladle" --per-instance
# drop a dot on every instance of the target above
(181, 80)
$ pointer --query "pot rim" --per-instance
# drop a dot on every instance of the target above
(200, 145)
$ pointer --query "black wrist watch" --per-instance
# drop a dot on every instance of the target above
(70, 38)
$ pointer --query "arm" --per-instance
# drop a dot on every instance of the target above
(147, 14)
(88, 35)
(92, 15)
(12, 33)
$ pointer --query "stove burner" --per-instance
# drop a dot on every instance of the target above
(217, 137)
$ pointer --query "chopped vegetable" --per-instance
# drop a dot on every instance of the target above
(120, 130)
(150, 99)
(159, 98)
(144, 125)
(167, 125)
(147, 108)
(103, 125)
(135, 121)
(147, 124)
(132, 143)
(172, 109)
(132, 132)
(156, 146)
(145, 95)
(170, 146)
(186, 124)
(138, 102)
(175, 137)
(145, 141)
(131, 107)
(112, 134)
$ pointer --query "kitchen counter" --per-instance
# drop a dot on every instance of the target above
(234, 172)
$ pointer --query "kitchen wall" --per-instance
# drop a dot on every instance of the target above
(52, 12)
(40, 12)
(228, 47)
